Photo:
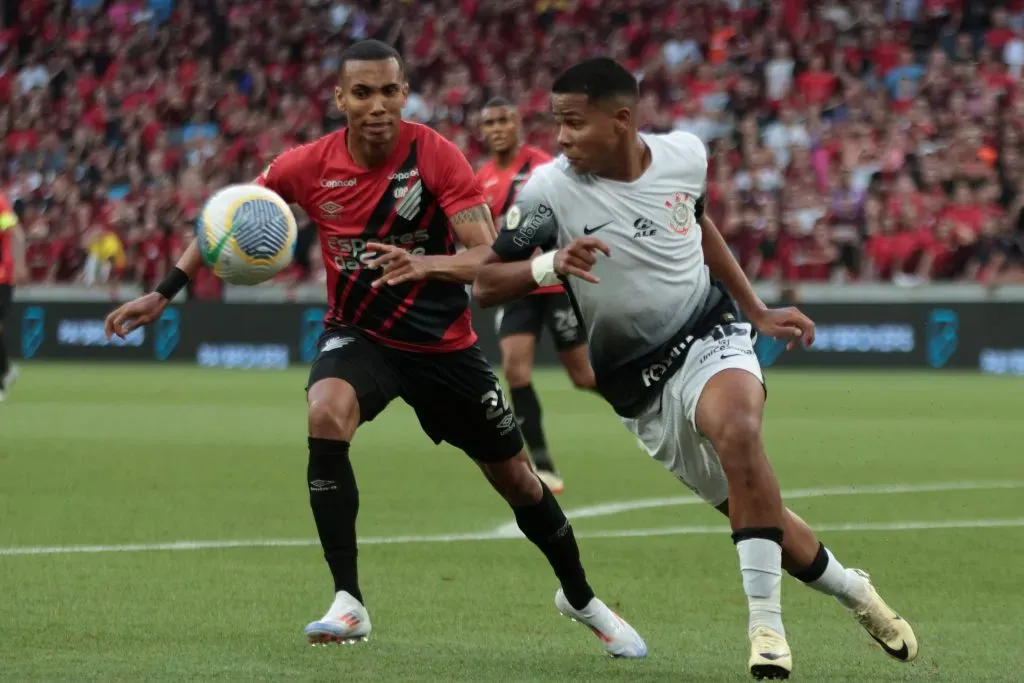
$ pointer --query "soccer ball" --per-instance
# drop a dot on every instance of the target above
(246, 234)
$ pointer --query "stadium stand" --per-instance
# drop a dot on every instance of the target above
(865, 140)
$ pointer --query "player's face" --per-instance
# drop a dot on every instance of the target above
(372, 95)
(500, 128)
(589, 135)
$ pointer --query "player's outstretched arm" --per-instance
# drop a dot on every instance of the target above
(475, 230)
(149, 307)
(499, 282)
(785, 323)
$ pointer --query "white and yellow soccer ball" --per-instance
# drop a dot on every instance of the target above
(246, 234)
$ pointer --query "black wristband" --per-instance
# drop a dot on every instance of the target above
(175, 281)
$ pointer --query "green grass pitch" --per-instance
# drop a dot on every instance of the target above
(111, 455)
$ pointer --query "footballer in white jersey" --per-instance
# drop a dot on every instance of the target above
(619, 219)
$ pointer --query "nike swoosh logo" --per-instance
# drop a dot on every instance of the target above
(772, 656)
(591, 231)
(731, 355)
(900, 654)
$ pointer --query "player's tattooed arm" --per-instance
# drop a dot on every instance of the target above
(475, 230)
(475, 217)
(785, 323)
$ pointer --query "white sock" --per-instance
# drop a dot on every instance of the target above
(761, 568)
(845, 585)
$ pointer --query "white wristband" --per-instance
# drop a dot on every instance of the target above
(543, 268)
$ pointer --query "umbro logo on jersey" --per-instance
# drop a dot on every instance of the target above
(644, 228)
(587, 230)
(331, 208)
(336, 343)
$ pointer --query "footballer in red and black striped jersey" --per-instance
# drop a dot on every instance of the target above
(376, 326)
(520, 323)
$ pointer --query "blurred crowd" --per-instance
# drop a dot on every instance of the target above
(851, 140)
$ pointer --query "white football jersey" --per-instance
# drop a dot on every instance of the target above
(655, 280)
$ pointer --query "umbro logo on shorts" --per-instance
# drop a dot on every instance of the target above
(507, 424)
(336, 343)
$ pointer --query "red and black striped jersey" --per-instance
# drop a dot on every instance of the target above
(501, 185)
(406, 202)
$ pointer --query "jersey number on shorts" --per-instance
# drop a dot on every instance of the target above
(496, 402)
(565, 321)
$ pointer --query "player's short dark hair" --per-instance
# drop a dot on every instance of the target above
(498, 102)
(369, 51)
(599, 79)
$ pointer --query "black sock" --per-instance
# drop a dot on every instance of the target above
(4, 363)
(335, 501)
(545, 525)
(528, 414)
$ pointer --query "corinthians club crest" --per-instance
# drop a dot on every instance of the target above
(680, 215)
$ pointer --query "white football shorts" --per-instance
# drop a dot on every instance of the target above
(667, 428)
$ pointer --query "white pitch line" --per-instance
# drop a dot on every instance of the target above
(510, 529)
(868, 526)
(492, 536)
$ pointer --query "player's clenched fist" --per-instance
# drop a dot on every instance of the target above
(579, 256)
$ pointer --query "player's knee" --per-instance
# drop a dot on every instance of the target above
(515, 481)
(517, 370)
(333, 414)
(738, 443)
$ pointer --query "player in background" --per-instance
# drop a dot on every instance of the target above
(12, 270)
(386, 196)
(521, 322)
(656, 289)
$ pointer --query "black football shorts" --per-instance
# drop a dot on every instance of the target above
(6, 299)
(531, 314)
(456, 395)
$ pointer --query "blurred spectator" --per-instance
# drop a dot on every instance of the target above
(876, 139)
(105, 255)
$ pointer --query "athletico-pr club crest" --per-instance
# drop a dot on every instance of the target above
(680, 216)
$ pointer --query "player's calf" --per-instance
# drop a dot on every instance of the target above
(729, 414)
(542, 521)
(333, 494)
